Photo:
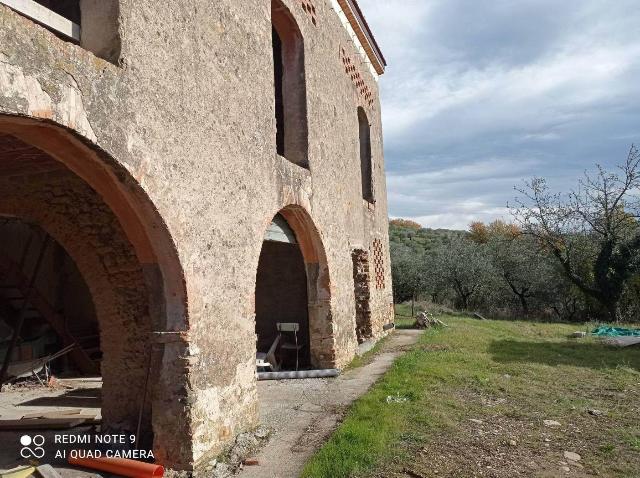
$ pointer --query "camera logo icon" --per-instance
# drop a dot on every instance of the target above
(32, 446)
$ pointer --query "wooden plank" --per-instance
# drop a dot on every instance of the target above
(41, 423)
(46, 17)
(47, 471)
(20, 472)
(89, 417)
(47, 414)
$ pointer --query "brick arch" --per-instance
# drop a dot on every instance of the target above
(153, 268)
(138, 216)
(321, 330)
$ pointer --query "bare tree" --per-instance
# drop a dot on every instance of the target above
(593, 231)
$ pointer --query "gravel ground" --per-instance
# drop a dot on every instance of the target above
(300, 413)
(303, 413)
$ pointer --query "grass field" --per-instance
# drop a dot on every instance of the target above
(471, 400)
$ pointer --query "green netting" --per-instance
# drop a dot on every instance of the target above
(605, 331)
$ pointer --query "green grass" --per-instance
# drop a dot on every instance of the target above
(367, 357)
(403, 318)
(510, 375)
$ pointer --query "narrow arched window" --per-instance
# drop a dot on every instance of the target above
(365, 155)
(290, 96)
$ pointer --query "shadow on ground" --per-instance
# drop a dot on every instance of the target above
(81, 398)
(578, 354)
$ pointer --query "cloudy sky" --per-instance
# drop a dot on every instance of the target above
(479, 95)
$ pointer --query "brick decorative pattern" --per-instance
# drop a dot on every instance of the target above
(378, 263)
(310, 10)
(357, 79)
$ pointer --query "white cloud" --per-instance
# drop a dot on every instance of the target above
(479, 95)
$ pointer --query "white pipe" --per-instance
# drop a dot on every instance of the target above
(321, 373)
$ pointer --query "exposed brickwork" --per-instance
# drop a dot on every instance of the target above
(64, 206)
(377, 252)
(310, 9)
(19, 159)
(361, 281)
(359, 82)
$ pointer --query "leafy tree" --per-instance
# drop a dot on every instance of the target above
(592, 232)
(525, 270)
(406, 223)
(420, 240)
(463, 266)
(407, 272)
(479, 232)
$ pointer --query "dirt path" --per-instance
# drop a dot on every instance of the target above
(303, 413)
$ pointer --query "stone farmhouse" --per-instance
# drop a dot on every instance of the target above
(176, 178)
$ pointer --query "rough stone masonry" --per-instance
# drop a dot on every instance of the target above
(157, 148)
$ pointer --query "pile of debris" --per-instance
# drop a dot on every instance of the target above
(238, 455)
(426, 320)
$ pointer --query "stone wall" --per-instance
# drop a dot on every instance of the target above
(185, 118)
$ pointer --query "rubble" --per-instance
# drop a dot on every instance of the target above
(426, 320)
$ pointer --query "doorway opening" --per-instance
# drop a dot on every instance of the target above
(46, 303)
(281, 296)
(292, 289)
(86, 263)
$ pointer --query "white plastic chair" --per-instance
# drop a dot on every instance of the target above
(291, 328)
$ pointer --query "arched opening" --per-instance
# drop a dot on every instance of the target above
(281, 294)
(292, 286)
(290, 96)
(44, 302)
(115, 258)
(366, 167)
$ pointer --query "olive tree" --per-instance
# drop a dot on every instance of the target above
(525, 270)
(407, 270)
(461, 265)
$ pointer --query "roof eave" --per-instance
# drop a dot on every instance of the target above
(362, 30)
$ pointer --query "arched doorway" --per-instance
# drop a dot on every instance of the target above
(93, 209)
(292, 286)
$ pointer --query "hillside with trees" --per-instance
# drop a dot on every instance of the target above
(570, 257)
